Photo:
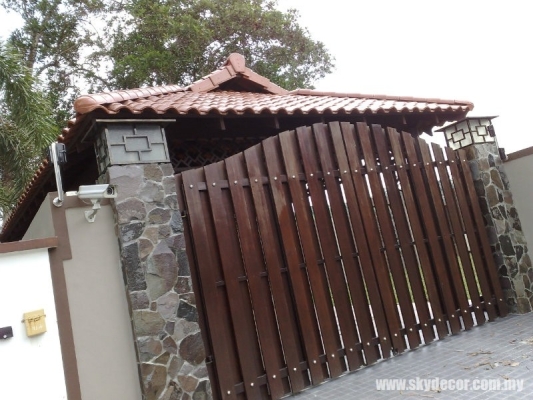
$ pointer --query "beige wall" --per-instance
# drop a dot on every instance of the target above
(99, 314)
(42, 225)
(520, 173)
(101, 324)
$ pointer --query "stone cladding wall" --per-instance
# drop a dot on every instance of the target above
(167, 336)
(503, 225)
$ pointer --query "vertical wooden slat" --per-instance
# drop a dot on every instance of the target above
(490, 267)
(238, 293)
(254, 264)
(481, 248)
(454, 215)
(348, 251)
(373, 236)
(388, 233)
(274, 263)
(355, 272)
(215, 297)
(293, 255)
(470, 227)
(198, 290)
(455, 272)
(311, 251)
(327, 239)
(426, 205)
(407, 174)
(402, 213)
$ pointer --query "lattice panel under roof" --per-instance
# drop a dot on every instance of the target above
(187, 154)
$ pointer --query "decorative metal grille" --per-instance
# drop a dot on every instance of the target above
(187, 154)
(130, 142)
(469, 131)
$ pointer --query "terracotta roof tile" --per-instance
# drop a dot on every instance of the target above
(311, 92)
(237, 62)
(299, 102)
(222, 76)
(90, 102)
(205, 97)
(201, 98)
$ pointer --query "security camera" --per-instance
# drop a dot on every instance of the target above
(94, 192)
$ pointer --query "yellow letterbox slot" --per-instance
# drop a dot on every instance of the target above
(35, 322)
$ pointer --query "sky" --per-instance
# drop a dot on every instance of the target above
(472, 50)
(480, 51)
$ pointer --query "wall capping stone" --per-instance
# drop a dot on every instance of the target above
(24, 245)
(519, 154)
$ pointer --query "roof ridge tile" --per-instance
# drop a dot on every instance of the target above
(237, 61)
(234, 67)
(319, 93)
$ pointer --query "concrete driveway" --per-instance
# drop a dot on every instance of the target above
(490, 361)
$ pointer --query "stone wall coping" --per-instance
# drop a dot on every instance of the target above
(23, 245)
(519, 154)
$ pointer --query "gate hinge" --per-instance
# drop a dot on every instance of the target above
(184, 214)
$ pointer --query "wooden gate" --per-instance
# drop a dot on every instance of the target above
(327, 248)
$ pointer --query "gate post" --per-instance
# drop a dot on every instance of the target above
(169, 346)
(508, 243)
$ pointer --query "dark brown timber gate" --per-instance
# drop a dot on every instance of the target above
(327, 248)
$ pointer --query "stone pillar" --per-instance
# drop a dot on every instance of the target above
(133, 156)
(508, 243)
(167, 336)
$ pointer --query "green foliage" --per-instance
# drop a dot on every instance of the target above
(67, 45)
(92, 45)
(179, 41)
(26, 126)
(52, 41)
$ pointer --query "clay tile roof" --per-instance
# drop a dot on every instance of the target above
(297, 102)
(235, 89)
(210, 95)
(90, 102)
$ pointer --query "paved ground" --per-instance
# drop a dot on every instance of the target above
(500, 351)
